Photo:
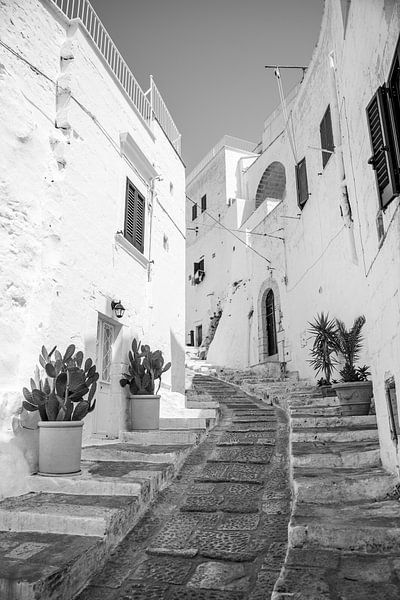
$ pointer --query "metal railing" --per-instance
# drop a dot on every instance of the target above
(227, 140)
(148, 109)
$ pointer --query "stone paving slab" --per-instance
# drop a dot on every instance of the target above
(243, 454)
(237, 497)
(250, 427)
(232, 472)
(247, 438)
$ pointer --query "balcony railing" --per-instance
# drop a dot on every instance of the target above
(148, 109)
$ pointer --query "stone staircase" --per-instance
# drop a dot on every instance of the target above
(344, 532)
(55, 538)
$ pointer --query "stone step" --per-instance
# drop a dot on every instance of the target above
(163, 436)
(337, 434)
(369, 527)
(331, 486)
(186, 423)
(202, 404)
(156, 453)
(326, 411)
(313, 401)
(310, 572)
(110, 517)
(47, 566)
(109, 478)
(299, 422)
(349, 455)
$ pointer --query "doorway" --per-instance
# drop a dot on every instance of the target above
(106, 336)
(272, 344)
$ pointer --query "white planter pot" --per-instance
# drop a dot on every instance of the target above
(144, 412)
(60, 446)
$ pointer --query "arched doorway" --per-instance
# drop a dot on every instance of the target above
(272, 343)
(269, 322)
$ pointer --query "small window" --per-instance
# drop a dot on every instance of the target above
(204, 203)
(198, 271)
(199, 335)
(302, 183)
(191, 337)
(134, 216)
(391, 400)
(194, 212)
(325, 130)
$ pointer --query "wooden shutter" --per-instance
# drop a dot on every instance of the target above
(382, 147)
(134, 217)
(325, 130)
(194, 212)
(204, 203)
(302, 183)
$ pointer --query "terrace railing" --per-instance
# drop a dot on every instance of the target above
(148, 108)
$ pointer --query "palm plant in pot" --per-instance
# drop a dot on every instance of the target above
(354, 390)
(63, 398)
(145, 368)
(323, 351)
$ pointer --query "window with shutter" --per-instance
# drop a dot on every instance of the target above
(134, 216)
(194, 212)
(302, 183)
(325, 130)
(383, 159)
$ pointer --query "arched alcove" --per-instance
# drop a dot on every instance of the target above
(272, 183)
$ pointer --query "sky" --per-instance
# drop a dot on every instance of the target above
(208, 56)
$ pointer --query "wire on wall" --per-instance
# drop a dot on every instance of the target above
(233, 234)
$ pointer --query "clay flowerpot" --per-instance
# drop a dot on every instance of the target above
(354, 397)
(60, 445)
(144, 412)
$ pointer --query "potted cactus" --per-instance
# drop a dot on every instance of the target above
(63, 398)
(145, 368)
(354, 390)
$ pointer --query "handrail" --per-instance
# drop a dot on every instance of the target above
(148, 109)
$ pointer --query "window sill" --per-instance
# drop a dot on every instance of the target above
(131, 250)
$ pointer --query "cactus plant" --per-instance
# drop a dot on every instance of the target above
(61, 395)
(145, 367)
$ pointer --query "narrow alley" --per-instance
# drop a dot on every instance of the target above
(219, 531)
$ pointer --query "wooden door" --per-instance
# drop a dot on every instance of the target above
(271, 324)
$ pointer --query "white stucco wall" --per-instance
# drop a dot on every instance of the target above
(62, 206)
(314, 270)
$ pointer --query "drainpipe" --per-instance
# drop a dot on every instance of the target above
(341, 173)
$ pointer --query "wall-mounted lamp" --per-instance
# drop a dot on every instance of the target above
(117, 308)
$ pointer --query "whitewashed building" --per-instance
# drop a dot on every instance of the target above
(91, 205)
(318, 208)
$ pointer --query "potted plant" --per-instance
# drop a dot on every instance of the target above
(323, 351)
(63, 399)
(354, 390)
(145, 367)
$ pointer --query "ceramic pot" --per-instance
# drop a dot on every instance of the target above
(144, 412)
(354, 397)
(60, 446)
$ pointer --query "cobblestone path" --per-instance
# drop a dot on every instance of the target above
(219, 531)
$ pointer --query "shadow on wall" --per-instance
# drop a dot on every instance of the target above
(178, 365)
